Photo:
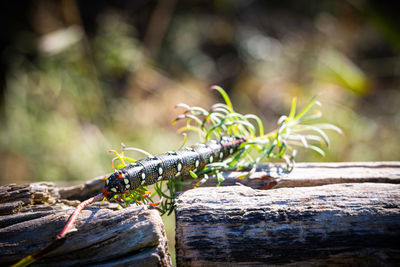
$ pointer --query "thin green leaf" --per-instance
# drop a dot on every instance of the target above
(304, 111)
(219, 110)
(259, 123)
(137, 150)
(269, 151)
(161, 193)
(184, 140)
(197, 111)
(189, 128)
(292, 109)
(322, 133)
(183, 183)
(245, 123)
(318, 150)
(182, 105)
(193, 175)
(220, 178)
(120, 166)
(224, 95)
(221, 105)
(129, 159)
(118, 156)
(282, 119)
(317, 114)
(328, 126)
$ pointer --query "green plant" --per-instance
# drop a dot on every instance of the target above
(294, 131)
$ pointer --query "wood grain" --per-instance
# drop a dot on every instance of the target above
(33, 215)
(318, 214)
(337, 224)
(310, 174)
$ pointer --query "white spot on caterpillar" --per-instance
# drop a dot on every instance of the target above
(126, 181)
(143, 176)
(114, 190)
(211, 159)
(160, 177)
(221, 155)
(231, 151)
(197, 163)
(127, 186)
(107, 181)
(177, 174)
(142, 183)
(179, 167)
(160, 171)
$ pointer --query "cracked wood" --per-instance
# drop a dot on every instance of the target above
(349, 224)
(33, 214)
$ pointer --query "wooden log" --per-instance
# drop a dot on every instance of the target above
(32, 215)
(268, 176)
(336, 224)
(310, 174)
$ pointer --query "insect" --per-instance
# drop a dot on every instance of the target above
(170, 165)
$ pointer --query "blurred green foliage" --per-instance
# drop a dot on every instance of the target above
(81, 95)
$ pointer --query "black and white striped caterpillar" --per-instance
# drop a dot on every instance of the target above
(170, 165)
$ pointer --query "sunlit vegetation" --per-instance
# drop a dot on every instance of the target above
(72, 93)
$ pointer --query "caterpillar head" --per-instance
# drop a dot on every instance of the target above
(115, 184)
(125, 179)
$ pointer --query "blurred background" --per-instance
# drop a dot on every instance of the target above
(77, 78)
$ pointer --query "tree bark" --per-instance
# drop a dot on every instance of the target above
(339, 223)
(32, 215)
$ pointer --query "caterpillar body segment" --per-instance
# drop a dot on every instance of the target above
(170, 165)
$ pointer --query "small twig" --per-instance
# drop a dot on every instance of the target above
(71, 222)
(60, 238)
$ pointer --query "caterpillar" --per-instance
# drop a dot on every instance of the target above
(170, 165)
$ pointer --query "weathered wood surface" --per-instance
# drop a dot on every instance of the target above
(340, 223)
(276, 176)
(32, 215)
(311, 174)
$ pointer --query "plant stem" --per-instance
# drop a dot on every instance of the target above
(71, 222)
(60, 238)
